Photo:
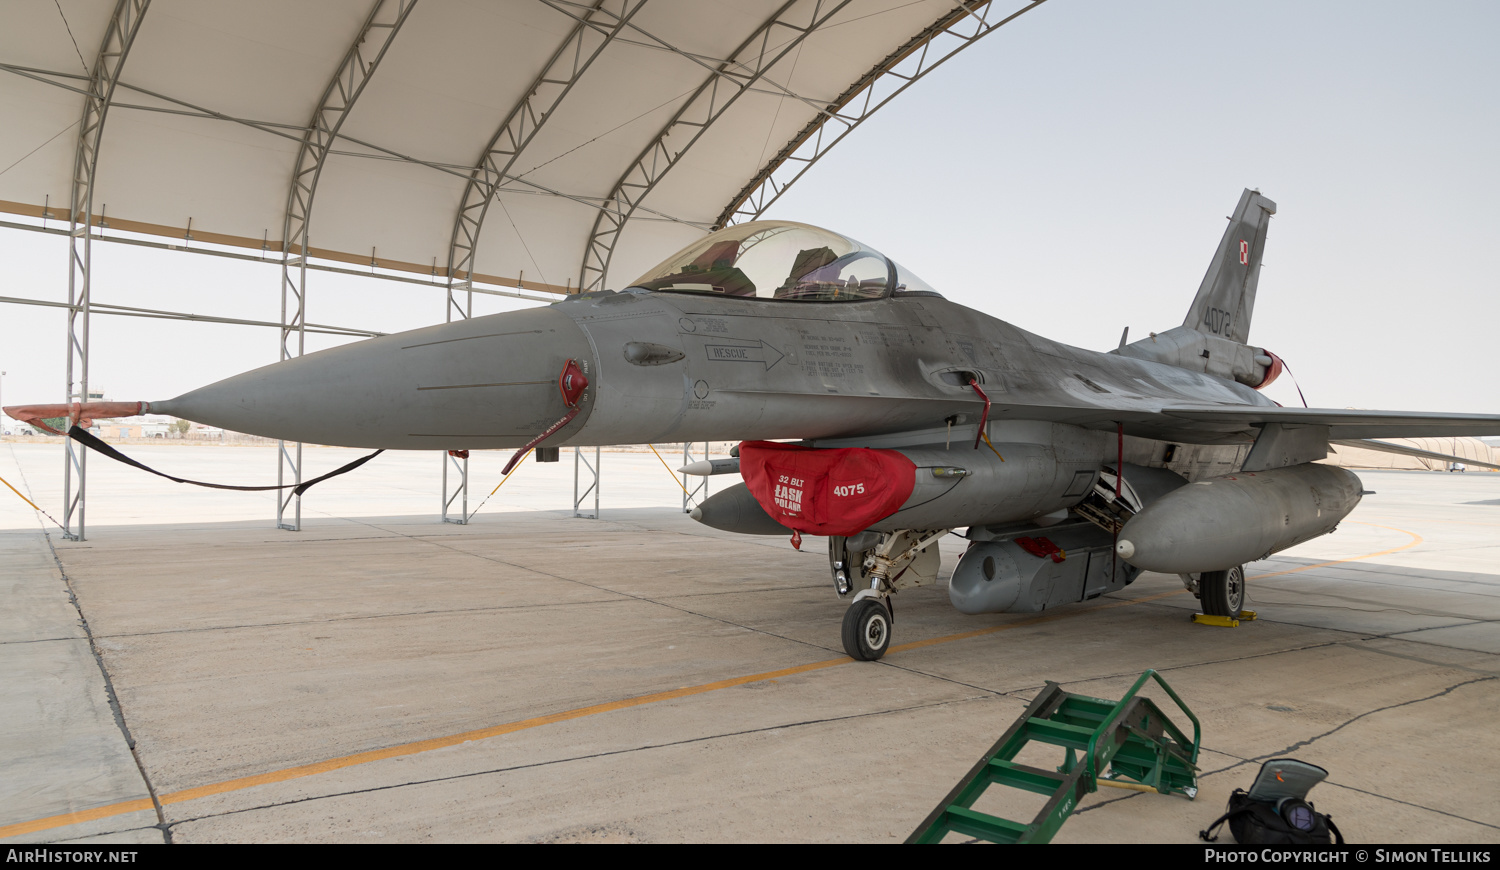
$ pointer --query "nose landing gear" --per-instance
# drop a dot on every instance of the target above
(867, 629)
(901, 560)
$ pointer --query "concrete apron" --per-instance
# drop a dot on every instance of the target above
(532, 677)
(63, 748)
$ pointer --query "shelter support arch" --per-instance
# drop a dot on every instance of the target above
(902, 68)
(727, 81)
(593, 31)
(578, 147)
(119, 35)
(364, 55)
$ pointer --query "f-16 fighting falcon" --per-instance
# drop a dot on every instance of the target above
(872, 411)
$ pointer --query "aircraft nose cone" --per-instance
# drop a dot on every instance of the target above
(490, 382)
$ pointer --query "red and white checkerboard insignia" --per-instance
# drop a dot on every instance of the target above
(1244, 253)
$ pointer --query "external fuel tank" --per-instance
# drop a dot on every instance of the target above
(1217, 524)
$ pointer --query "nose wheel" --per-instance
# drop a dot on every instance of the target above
(867, 629)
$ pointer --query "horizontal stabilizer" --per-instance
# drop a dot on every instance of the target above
(1404, 450)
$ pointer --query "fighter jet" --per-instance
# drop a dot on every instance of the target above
(872, 411)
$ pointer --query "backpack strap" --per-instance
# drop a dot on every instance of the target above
(1207, 835)
(1337, 836)
(1237, 796)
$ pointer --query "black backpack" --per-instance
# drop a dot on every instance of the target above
(1275, 811)
(1293, 822)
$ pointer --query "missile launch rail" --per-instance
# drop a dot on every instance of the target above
(1130, 739)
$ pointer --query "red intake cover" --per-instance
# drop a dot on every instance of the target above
(571, 383)
(826, 492)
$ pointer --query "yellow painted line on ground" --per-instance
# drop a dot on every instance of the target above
(1036, 620)
(918, 644)
(65, 819)
(420, 746)
(1459, 523)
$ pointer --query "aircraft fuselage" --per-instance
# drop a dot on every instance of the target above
(671, 367)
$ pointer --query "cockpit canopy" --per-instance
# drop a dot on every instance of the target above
(781, 260)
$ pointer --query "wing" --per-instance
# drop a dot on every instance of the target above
(1240, 424)
(1404, 450)
(1344, 424)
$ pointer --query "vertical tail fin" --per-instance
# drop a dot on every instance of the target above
(1226, 299)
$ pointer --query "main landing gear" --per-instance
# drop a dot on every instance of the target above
(888, 562)
(1221, 593)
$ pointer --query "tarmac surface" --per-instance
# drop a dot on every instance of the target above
(189, 673)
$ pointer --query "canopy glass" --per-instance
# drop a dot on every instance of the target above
(780, 260)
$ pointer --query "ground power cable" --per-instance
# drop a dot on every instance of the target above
(673, 475)
(33, 504)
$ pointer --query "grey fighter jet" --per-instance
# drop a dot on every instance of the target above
(874, 412)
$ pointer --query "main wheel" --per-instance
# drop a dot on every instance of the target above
(867, 630)
(1223, 592)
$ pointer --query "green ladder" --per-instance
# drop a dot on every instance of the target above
(1129, 738)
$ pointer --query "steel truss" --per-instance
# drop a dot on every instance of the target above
(508, 183)
(598, 25)
(311, 266)
(124, 24)
(156, 313)
(460, 493)
(595, 470)
(746, 66)
(566, 66)
(380, 28)
(698, 490)
(588, 39)
(957, 30)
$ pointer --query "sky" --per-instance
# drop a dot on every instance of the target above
(1070, 174)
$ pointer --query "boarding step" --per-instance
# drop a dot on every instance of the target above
(1129, 739)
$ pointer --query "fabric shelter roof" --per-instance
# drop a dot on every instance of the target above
(541, 143)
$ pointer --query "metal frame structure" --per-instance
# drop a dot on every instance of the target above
(384, 22)
(158, 314)
(124, 24)
(526, 118)
(810, 144)
(595, 468)
(593, 25)
(746, 66)
(459, 459)
(568, 63)
(511, 183)
(214, 252)
(700, 489)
